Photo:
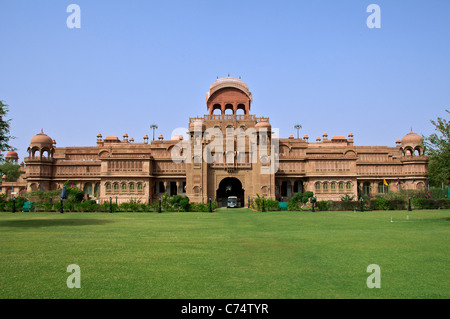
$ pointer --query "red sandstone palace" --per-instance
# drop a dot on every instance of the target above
(331, 167)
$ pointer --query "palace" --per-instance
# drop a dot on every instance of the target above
(230, 152)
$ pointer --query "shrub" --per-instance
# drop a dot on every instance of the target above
(347, 198)
(397, 204)
(298, 201)
(271, 205)
(425, 203)
(179, 202)
(379, 204)
(199, 207)
(342, 206)
(322, 205)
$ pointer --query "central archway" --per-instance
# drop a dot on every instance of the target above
(230, 186)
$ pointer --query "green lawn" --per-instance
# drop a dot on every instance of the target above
(227, 254)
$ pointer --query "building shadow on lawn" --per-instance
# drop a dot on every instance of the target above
(36, 223)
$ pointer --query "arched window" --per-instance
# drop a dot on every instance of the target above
(196, 190)
(341, 186)
(139, 187)
(325, 187)
(217, 109)
(366, 188)
(116, 187)
(132, 187)
(333, 187)
(108, 187)
(240, 109)
(97, 190)
(317, 185)
(88, 188)
(349, 186)
(124, 187)
(383, 189)
(229, 109)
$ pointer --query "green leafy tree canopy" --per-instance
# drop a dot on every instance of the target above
(5, 136)
(11, 170)
(437, 147)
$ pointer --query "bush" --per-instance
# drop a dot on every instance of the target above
(322, 205)
(397, 204)
(199, 207)
(379, 204)
(425, 203)
(271, 205)
(344, 205)
(347, 198)
(298, 201)
(179, 202)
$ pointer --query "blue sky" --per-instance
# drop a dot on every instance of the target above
(134, 63)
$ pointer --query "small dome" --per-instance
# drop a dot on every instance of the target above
(145, 137)
(398, 141)
(318, 139)
(160, 137)
(42, 139)
(291, 136)
(412, 139)
(99, 135)
(131, 139)
(12, 155)
(262, 124)
(305, 136)
(350, 134)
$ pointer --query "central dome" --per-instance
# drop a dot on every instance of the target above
(228, 82)
(228, 93)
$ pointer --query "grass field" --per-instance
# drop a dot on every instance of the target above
(227, 254)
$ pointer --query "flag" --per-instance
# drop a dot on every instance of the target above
(385, 183)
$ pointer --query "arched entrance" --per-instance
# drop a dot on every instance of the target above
(230, 186)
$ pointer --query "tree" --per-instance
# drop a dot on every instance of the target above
(11, 170)
(437, 147)
(4, 130)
